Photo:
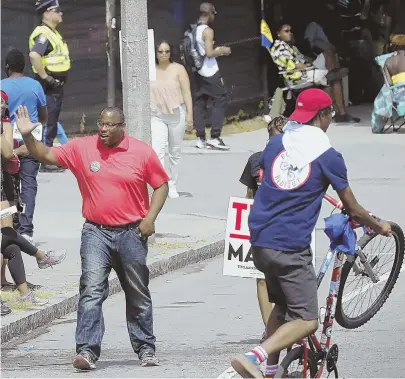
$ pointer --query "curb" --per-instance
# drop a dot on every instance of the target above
(62, 308)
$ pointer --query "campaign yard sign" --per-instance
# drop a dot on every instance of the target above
(238, 259)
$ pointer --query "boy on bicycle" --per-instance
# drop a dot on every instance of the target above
(298, 167)
(251, 178)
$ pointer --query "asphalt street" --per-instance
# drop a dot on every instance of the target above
(202, 319)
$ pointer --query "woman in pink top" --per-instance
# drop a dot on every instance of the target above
(172, 110)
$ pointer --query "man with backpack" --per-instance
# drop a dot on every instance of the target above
(208, 80)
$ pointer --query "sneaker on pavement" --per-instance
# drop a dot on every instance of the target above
(173, 194)
(217, 143)
(52, 258)
(7, 286)
(84, 362)
(31, 298)
(201, 143)
(245, 367)
(33, 287)
(346, 118)
(148, 358)
(5, 308)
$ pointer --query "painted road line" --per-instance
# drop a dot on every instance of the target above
(230, 373)
(353, 294)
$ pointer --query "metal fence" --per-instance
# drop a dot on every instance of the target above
(84, 30)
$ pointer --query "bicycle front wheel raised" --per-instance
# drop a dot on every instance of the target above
(359, 298)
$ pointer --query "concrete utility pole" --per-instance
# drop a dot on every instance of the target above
(135, 70)
(111, 29)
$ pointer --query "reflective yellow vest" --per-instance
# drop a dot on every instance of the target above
(58, 59)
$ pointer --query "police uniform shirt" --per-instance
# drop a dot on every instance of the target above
(43, 47)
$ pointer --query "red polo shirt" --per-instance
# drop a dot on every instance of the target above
(112, 182)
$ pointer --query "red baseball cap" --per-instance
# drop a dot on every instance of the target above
(309, 103)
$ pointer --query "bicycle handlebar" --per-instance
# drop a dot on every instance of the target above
(339, 205)
(335, 203)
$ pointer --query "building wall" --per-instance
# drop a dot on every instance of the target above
(84, 30)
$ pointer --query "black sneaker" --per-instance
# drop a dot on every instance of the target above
(7, 286)
(217, 143)
(84, 362)
(33, 287)
(346, 118)
(148, 358)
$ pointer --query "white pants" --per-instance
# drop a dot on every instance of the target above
(316, 76)
(168, 130)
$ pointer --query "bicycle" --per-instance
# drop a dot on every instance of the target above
(313, 354)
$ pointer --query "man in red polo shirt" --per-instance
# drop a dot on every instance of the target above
(112, 171)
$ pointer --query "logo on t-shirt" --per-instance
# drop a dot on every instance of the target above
(287, 177)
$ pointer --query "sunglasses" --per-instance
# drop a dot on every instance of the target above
(164, 51)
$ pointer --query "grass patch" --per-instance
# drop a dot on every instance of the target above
(235, 127)
(13, 299)
(168, 245)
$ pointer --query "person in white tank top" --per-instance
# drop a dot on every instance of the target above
(209, 82)
(210, 65)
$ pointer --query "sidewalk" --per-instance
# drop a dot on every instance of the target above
(191, 227)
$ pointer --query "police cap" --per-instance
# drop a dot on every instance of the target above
(46, 5)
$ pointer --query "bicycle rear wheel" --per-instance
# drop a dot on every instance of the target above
(292, 364)
(350, 320)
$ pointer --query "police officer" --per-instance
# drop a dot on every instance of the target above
(49, 55)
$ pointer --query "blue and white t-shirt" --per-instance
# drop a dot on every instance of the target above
(288, 202)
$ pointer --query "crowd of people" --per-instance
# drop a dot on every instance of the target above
(114, 169)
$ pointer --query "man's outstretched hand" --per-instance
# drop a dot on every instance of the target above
(24, 124)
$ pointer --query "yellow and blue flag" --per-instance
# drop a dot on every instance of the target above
(266, 37)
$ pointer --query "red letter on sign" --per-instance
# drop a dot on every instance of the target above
(239, 208)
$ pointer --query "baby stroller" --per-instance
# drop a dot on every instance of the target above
(389, 105)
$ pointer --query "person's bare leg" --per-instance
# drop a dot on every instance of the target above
(337, 94)
(273, 325)
(23, 289)
(330, 60)
(40, 255)
(263, 298)
(288, 334)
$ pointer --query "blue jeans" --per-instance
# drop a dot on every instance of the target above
(125, 252)
(29, 167)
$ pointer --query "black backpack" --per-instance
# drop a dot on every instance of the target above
(189, 53)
